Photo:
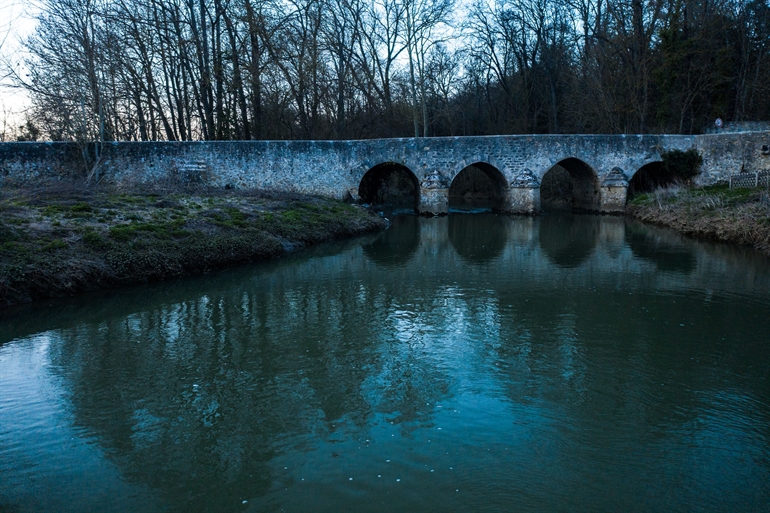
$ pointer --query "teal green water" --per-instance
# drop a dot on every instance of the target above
(465, 363)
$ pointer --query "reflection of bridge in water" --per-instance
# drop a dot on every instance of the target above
(573, 251)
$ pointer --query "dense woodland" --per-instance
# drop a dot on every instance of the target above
(347, 69)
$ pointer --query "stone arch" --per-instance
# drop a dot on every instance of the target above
(570, 185)
(478, 185)
(389, 183)
(649, 177)
(484, 159)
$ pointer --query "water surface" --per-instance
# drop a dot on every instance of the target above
(465, 363)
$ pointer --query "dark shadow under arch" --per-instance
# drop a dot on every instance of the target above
(478, 246)
(568, 240)
(570, 185)
(648, 178)
(389, 184)
(477, 186)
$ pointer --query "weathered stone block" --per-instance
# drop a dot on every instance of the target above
(523, 200)
(434, 201)
(612, 198)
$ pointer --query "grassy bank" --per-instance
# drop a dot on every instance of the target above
(59, 241)
(738, 216)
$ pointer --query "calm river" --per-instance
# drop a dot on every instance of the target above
(465, 363)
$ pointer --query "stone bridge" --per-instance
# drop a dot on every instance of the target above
(428, 171)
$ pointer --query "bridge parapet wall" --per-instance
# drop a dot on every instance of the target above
(27, 163)
(729, 154)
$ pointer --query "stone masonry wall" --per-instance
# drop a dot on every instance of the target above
(25, 163)
(335, 168)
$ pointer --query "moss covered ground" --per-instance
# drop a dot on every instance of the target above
(739, 216)
(62, 240)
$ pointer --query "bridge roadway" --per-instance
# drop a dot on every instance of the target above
(600, 165)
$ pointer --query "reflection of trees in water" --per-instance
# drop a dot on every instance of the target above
(582, 350)
(396, 245)
(478, 239)
(172, 400)
(281, 354)
(410, 381)
(201, 395)
(568, 240)
(667, 255)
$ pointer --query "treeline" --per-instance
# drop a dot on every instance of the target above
(346, 69)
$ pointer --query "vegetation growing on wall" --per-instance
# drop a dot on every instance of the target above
(682, 166)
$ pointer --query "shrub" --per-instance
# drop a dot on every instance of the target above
(684, 165)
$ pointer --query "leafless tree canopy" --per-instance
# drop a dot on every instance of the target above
(345, 69)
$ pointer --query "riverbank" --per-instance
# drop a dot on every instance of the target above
(57, 241)
(737, 216)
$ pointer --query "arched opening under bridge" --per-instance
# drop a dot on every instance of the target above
(479, 186)
(390, 184)
(648, 178)
(570, 185)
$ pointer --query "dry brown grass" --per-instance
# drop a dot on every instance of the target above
(739, 216)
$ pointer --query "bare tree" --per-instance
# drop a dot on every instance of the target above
(240, 69)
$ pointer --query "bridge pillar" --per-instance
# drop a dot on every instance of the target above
(523, 194)
(434, 195)
(613, 191)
